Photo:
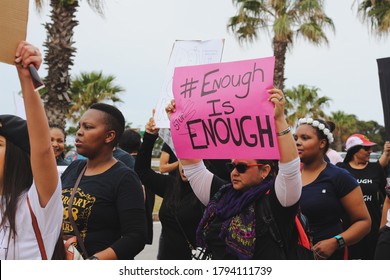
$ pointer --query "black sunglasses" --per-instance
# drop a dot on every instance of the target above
(241, 167)
(366, 148)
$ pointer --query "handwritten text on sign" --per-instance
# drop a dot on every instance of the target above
(222, 110)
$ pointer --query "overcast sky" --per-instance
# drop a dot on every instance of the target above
(134, 39)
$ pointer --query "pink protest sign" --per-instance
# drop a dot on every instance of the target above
(222, 110)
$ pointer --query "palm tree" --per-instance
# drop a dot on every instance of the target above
(377, 14)
(374, 131)
(303, 101)
(346, 125)
(59, 55)
(283, 19)
(90, 88)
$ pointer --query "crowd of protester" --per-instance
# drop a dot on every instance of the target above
(104, 193)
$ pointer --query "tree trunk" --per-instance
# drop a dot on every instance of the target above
(59, 59)
(280, 49)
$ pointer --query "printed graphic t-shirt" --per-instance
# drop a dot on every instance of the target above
(102, 206)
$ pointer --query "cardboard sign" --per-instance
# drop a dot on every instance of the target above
(222, 111)
(185, 53)
(13, 27)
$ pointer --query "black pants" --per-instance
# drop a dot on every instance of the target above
(382, 251)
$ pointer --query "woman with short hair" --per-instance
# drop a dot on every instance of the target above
(108, 206)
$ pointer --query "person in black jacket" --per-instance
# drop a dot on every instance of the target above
(180, 211)
(130, 142)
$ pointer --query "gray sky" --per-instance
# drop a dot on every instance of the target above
(134, 39)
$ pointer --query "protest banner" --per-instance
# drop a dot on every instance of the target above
(222, 110)
(384, 82)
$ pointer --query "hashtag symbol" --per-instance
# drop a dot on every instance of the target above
(188, 87)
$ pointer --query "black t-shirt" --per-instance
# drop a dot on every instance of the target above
(266, 248)
(180, 210)
(372, 181)
(172, 157)
(61, 161)
(108, 209)
(124, 157)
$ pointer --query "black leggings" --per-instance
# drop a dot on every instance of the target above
(382, 251)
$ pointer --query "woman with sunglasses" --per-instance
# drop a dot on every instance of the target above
(231, 227)
(372, 180)
(329, 194)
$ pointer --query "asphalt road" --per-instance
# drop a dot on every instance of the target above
(150, 251)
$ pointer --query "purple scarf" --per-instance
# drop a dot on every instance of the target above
(236, 210)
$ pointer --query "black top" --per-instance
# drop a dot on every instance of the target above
(178, 200)
(124, 157)
(129, 160)
(372, 181)
(108, 209)
(62, 162)
(266, 247)
(172, 157)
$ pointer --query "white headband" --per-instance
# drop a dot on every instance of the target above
(319, 126)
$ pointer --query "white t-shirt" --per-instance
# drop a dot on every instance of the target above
(61, 169)
(388, 218)
(49, 220)
(334, 157)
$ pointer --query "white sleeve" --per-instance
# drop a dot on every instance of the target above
(49, 218)
(200, 179)
(288, 183)
(53, 212)
(388, 218)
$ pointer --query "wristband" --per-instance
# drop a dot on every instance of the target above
(283, 132)
(340, 241)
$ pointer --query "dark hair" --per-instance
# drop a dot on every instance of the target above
(130, 141)
(331, 125)
(274, 164)
(350, 153)
(114, 119)
(53, 126)
(17, 180)
(320, 133)
(218, 167)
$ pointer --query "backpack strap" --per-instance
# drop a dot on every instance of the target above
(268, 218)
(80, 240)
(37, 231)
(302, 236)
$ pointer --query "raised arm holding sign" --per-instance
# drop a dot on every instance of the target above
(230, 226)
(13, 29)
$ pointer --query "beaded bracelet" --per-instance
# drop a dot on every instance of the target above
(283, 132)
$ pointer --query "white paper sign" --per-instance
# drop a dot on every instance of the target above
(165, 134)
(185, 53)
